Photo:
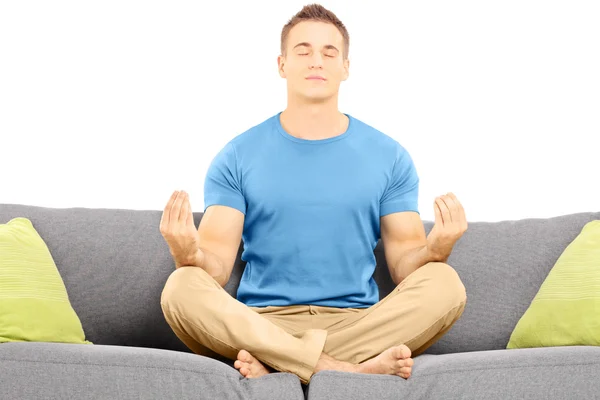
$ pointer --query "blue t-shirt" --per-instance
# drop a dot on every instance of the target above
(312, 210)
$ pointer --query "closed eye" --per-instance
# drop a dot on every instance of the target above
(305, 54)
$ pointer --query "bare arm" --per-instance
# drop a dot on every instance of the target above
(213, 247)
(220, 234)
(405, 244)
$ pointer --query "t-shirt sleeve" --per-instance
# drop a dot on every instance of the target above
(402, 193)
(222, 185)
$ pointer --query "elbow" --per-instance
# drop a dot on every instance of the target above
(221, 280)
(397, 277)
(222, 277)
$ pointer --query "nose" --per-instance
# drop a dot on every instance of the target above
(316, 60)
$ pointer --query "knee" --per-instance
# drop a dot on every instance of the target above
(182, 284)
(171, 293)
(446, 283)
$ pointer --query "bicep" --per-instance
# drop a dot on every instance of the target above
(401, 231)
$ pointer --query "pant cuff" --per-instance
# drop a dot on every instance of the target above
(315, 342)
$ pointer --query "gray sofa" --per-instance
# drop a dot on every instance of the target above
(115, 263)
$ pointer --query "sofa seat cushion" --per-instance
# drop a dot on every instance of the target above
(536, 373)
(77, 371)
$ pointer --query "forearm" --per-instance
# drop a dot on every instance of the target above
(208, 262)
(412, 260)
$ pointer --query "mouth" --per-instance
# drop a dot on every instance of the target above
(316, 78)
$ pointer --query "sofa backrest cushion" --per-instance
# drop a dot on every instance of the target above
(502, 265)
(115, 263)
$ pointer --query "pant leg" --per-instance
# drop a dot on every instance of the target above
(416, 313)
(293, 319)
(197, 347)
(199, 309)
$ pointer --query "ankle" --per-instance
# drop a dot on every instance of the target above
(328, 363)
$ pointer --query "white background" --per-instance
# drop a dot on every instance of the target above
(115, 104)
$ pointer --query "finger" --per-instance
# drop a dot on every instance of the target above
(190, 216)
(451, 207)
(454, 200)
(176, 208)
(460, 209)
(167, 211)
(184, 210)
(444, 210)
(438, 213)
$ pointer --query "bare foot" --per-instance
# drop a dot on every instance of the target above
(394, 361)
(249, 366)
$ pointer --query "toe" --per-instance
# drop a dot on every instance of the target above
(243, 355)
(237, 364)
(405, 362)
(397, 353)
(404, 351)
(404, 375)
(401, 352)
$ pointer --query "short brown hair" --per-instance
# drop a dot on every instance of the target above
(315, 12)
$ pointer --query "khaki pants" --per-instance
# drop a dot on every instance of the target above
(291, 339)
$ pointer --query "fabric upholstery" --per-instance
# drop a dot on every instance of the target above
(502, 265)
(34, 303)
(566, 309)
(533, 374)
(32, 371)
(115, 263)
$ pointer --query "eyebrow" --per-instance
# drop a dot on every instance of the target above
(327, 46)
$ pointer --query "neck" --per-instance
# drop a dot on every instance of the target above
(313, 121)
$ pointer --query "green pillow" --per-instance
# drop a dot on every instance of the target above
(34, 305)
(566, 310)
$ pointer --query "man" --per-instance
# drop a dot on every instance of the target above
(310, 191)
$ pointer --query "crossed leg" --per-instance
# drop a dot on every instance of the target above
(380, 339)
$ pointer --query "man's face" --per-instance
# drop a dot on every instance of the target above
(314, 65)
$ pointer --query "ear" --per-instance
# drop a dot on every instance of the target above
(281, 65)
(346, 69)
